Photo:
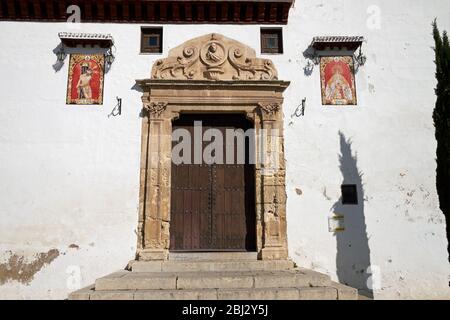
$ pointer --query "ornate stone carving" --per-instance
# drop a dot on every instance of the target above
(155, 108)
(270, 108)
(213, 57)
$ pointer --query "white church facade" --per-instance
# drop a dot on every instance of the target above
(335, 103)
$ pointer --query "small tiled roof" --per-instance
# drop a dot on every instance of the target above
(349, 42)
(72, 39)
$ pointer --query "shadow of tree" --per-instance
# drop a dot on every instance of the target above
(353, 252)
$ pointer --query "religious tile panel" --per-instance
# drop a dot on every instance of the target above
(337, 80)
(85, 83)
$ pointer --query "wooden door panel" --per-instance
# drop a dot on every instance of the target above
(212, 205)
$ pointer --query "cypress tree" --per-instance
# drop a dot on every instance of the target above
(441, 118)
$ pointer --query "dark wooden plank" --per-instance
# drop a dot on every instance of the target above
(87, 14)
(62, 9)
(125, 11)
(50, 10)
(195, 208)
(174, 208)
(37, 9)
(163, 11)
(113, 9)
(261, 12)
(100, 10)
(213, 12)
(273, 12)
(188, 12)
(224, 12)
(175, 12)
(200, 12)
(236, 12)
(23, 9)
(248, 12)
(150, 7)
(285, 12)
(138, 10)
(11, 9)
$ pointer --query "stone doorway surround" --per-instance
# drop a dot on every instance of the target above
(211, 74)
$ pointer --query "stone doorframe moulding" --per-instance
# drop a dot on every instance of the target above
(210, 74)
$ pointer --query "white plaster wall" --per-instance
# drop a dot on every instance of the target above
(70, 175)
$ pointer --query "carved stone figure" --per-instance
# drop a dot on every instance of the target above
(212, 53)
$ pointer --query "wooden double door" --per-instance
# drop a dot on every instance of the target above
(213, 202)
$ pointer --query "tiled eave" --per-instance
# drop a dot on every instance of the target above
(340, 42)
(150, 11)
(70, 39)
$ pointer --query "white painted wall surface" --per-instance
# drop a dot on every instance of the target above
(69, 175)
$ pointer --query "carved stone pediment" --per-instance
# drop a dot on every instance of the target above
(213, 57)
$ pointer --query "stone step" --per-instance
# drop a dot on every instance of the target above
(303, 293)
(210, 265)
(205, 256)
(211, 280)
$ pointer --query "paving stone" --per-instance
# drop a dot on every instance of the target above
(319, 293)
(345, 292)
(138, 281)
(176, 266)
(113, 295)
(258, 294)
(82, 294)
(214, 280)
(201, 294)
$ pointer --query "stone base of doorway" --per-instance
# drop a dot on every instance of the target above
(215, 280)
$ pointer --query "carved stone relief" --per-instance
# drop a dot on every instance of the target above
(270, 108)
(213, 57)
(155, 108)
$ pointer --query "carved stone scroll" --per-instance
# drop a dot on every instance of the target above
(213, 57)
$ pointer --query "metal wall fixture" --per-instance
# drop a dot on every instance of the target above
(109, 56)
(117, 110)
(360, 59)
(300, 110)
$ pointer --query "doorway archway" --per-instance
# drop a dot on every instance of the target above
(215, 75)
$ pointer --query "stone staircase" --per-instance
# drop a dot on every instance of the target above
(207, 278)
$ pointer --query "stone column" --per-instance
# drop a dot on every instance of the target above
(155, 182)
(271, 174)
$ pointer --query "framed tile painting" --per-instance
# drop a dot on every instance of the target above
(85, 83)
(337, 80)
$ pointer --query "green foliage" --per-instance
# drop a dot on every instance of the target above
(441, 117)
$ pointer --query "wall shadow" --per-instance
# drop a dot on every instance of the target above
(57, 66)
(353, 252)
